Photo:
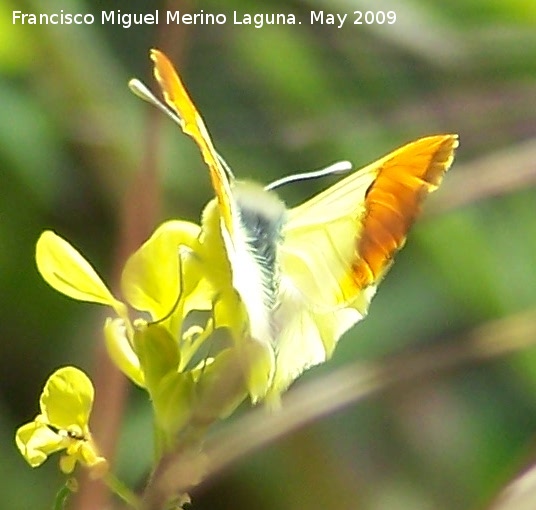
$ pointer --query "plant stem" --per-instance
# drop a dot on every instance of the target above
(122, 491)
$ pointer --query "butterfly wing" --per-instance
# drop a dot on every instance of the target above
(339, 244)
(177, 98)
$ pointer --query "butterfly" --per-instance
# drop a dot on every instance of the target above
(307, 274)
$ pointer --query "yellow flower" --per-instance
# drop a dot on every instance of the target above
(179, 282)
(152, 282)
(62, 424)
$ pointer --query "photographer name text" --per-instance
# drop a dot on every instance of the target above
(258, 20)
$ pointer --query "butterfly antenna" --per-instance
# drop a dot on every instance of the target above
(226, 167)
(336, 168)
(143, 92)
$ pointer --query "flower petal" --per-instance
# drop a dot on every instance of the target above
(121, 352)
(260, 360)
(36, 442)
(68, 463)
(64, 269)
(67, 399)
(90, 457)
(151, 279)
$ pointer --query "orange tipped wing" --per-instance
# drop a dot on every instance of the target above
(348, 234)
(192, 124)
(339, 244)
(392, 202)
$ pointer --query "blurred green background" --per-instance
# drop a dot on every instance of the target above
(278, 100)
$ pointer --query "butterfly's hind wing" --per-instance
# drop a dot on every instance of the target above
(339, 244)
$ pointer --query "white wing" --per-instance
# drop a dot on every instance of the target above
(338, 246)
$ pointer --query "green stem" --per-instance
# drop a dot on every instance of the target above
(122, 491)
(63, 494)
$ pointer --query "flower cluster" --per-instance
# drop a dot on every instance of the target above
(181, 332)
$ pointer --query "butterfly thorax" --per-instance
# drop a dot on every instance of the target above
(254, 259)
(262, 216)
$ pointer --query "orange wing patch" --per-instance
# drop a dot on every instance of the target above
(393, 202)
(192, 124)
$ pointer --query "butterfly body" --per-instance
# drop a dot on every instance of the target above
(253, 253)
